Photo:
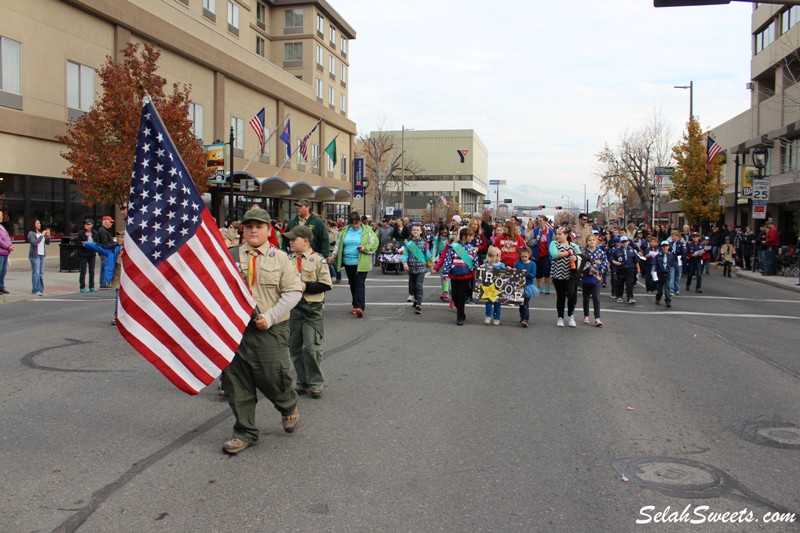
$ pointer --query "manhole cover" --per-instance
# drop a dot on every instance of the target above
(675, 477)
(775, 434)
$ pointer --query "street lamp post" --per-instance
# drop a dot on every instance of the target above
(652, 206)
(403, 171)
(624, 214)
(691, 97)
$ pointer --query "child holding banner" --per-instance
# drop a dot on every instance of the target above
(529, 267)
(416, 259)
(459, 263)
(493, 309)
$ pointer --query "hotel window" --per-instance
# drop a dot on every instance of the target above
(10, 73)
(233, 18)
(261, 15)
(344, 75)
(319, 58)
(196, 116)
(765, 37)
(293, 21)
(320, 26)
(292, 55)
(238, 132)
(333, 37)
(789, 18)
(344, 45)
(343, 167)
(332, 67)
(80, 89)
(330, 164)
(331, 97)
(315, 157)
(260, 44)
(319, 89)
(210, 9)
(343, 106)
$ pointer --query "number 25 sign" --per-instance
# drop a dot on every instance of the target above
(761, 189)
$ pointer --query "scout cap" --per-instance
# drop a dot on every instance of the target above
(623, 239)
(299, 231)
(304, 202)
(260, 215)
(664, 243)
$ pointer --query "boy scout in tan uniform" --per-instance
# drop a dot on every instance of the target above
(305, 322)
(262, 360)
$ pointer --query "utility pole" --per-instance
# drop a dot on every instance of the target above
(403, 171)
(230, 177)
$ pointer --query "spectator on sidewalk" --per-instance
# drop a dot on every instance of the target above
(748, 247)
(105, 240)
(86, 256)
(5, 249)
(38, 239)
(772, 242)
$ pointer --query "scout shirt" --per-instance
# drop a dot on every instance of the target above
(314, 272)
(275, 277)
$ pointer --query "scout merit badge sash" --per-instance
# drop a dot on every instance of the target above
(414, 249)
(463, 254)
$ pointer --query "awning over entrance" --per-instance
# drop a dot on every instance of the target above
(275, 187)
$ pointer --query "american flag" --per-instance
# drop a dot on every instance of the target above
(711, 153)
(257, 123)
(599, 202)
(182, 302)
(443, 199)
(303, 147)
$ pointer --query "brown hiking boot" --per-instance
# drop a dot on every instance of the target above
(236, 445)
(291, 422)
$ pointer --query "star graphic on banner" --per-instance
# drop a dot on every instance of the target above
(489, 292)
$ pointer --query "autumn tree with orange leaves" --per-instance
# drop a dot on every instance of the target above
(101, 144)
(697, 190)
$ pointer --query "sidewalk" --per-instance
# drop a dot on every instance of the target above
(18, 276)
(775, 281)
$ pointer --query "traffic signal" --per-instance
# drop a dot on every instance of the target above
(558, 208)
(542, 207)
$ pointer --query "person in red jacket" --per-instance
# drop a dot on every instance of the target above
(772, 242)
(510, 243)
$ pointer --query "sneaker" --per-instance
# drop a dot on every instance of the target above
(444, 297)
(669, 304)
(586, 320)
(353, 311)
(571, 321)
(631, 301)
(92, 290)
(418, 309)
(291, 422)
(619, 300)
(40, 293)
(235, 445)
(4, 291)
(496, 322)
(487, 320)
(460, 322)
(82, 290)
(560, 322)
(410, 299)
(452, 304)
(524, 323)
(113, 321)
(700, 291)
(598, 323)
(315, 393)
(301, 390)
(359, 312)
(678, 293)
(547, 290)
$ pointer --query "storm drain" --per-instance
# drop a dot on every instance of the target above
(674, 477)
(775, 434)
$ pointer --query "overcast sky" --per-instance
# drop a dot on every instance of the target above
(544, 84)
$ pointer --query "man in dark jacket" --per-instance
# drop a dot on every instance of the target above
(321, 241)
(663, 263)
(87, 256)
(106, 241)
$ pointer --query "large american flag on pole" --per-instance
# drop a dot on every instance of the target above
(711, 152)
(182, 302)
(303, 144)
(257, 123)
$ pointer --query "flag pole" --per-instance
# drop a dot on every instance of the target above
(265, 142)
(317, 159)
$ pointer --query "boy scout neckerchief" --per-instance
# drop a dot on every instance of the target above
(251, 269)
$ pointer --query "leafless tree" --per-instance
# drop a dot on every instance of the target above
(627, 170)
(384, 163)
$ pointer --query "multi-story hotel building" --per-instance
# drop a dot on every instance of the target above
(290, 57)
(772, 122)
(442, 173)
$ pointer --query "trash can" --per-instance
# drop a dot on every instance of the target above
(68, 256)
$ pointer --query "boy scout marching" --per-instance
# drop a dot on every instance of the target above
(305, 321)
(262, 360)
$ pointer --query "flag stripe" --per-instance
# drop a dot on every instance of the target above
(257, 123)
(181, 328)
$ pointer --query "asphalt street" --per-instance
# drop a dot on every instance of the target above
(424, 426)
